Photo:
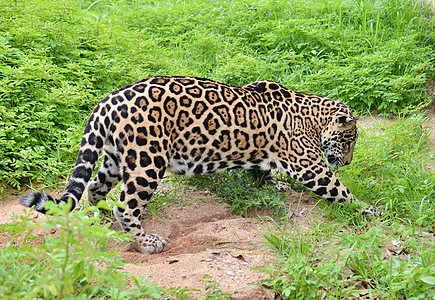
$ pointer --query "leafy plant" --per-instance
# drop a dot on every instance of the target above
(58, 59)
(332, 262)
(240, 189)
(74, 262)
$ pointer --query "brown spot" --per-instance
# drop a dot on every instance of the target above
(282, 142)
(212, 96)
(240, 115)
(199, 109)
(241, 141)
(171, 106)
(255, 122)
(185, 81)
(155, 114)
(228, 95)
(160, 81)
(155, 93)
(212, 124)
(185, 101)
(236, 156)
(141, 102)
(194, 91)
(223, 112)
(294, 145)
(183, 119)
(260, 141)
(157, 130)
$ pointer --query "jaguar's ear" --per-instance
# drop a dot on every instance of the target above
(344, 119)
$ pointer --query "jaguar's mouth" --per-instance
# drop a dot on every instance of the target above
(333, 161)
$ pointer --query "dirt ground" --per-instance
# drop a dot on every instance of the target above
(206, 238)
(203, 238)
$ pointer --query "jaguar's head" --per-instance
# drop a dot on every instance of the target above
(339, 138)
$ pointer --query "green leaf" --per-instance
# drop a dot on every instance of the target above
(79, 269)
(103, 205)
(68, 283)
(428, 279)
(90, 273)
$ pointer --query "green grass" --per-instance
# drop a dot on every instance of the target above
(391, 169)
(239, 189)
(59, 58)
(334, 262)
(75, 261)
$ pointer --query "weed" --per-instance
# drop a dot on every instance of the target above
(59, 58)
(212, 289)
(390, 168)
(330, 262)
(75, 260)
(240, 189)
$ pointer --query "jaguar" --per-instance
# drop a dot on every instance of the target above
(189, 125)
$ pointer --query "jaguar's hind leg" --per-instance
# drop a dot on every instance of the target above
(140, 177)
(107, 177)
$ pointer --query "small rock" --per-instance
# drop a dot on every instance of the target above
(230, 273)
(173, 261)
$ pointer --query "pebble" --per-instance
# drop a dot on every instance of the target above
(230, 273)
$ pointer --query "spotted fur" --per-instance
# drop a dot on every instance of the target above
(191, 126)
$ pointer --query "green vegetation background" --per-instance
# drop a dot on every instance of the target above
(59, 58)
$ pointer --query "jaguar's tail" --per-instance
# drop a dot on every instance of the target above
(92, 142)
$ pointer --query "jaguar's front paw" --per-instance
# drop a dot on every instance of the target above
(149, 243)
